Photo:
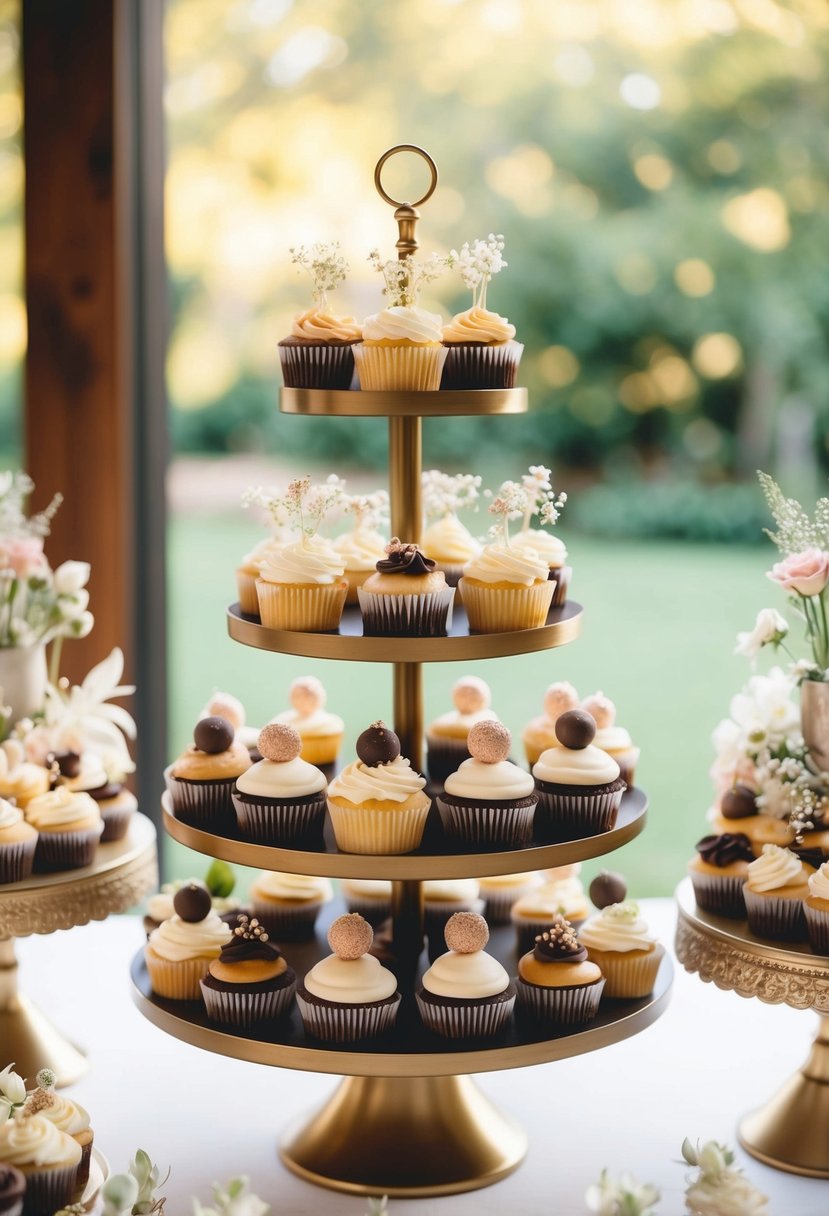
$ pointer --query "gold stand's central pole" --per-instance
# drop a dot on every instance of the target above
(26, 1037)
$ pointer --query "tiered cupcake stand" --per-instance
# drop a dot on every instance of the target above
(791, 1132)
(407, 1120)
(122, 874)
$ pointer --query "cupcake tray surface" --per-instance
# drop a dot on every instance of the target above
(563, 626)
(441, 403)
(436, 858)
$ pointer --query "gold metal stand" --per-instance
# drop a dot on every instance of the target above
(121, 876)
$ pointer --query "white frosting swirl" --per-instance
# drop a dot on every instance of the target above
(545, 544)
(33, 1140)
(403, 324)
(394, 782)
(498, 882)
(361, 549)
(468, 976)
(354, 981)
(293, 886)
(372, 888)
(618, 927)
(69, 1116)
(501, 563)
(571, 766)
(450, 890)
(479, 325)
(566, 897)
(314, 325)
(474, 779)
(310, 560)
(458, 725)
(178, 940)
(270, 779)
(774, 868)
(10, 815)
(250, 562)
(448, 540)
(613, 739)
(317, 724)
(91, 777)
(819, 882)
(60, 808)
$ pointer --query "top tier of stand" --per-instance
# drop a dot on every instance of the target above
(354, 403)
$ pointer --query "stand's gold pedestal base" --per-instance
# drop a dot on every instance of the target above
(406, 1137)
(790, 1131)
(28, 1039)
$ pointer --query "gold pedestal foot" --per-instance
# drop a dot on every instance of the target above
(28, 1039)
(406, 1137)
(791, 1132)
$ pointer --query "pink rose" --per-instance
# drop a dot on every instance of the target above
(23, 554)
(806, 572)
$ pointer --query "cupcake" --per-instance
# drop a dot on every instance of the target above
(500, 892)
(219, 881)
(401, 347)
(288, 904)
(349, 995)
(442, 898)
(249, 982)
(369, 897)
(535, 911)
(554, 552)
(179, 952)
(619, 942)
(377, 803)
(578, 784)
(407, 596)
(539, 498)
(816, 909)
(47, 1158)
(202, 781)
(18, 841)
(280, 800)
(738, 811)
(719, 871)
(446, 737)
(12, 1191)
(225, 705)
(466, 993)
(446, 540)
(318, 352)
(247, 572)
(21, 780)
(67, 1115)
(557, 983)
(489, 802)
(301, 587)
(776, 885)
(362, 546)
(540, 732)
(480, 344)
(88, 774)
(69, 826)
(321, 732)
(613, 739)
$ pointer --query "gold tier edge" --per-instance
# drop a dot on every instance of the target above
(726, 953)
(328, 863)
(354, 403)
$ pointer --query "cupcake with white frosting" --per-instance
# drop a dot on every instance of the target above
(247, 572)
(446, 736)
(47, 1157)
(288, 904)
(619, 942)
(446, 540)
(611, 737)
(69, 827)
(321, 731)
(179, 952)
(489, 802)
(540, 499)
(18, 841)
(777, 883)
(401, 348)
(20, 779)
(350, 995)
(368, 897)
(578, 784)
(816, 909)
(88, 773)
(66, 1114)
(466, 993)
(280, 800)
(362, 546)
(481, 347)
(540, 732)
(377, 803)
(318, 353)
(557, 983)
(500, 892)
(534, 912)
(442, 898)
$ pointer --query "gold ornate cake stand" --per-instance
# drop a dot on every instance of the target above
(791, 1132)
(122, 874)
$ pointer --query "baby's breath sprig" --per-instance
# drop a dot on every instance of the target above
(15, 488)
(542, 499)
(325, 265)
(304, 505)
(271, 501)
(445, 494)
(509, 503)
(405, 278)
(369, 510)
(795, 530)
(479, 263)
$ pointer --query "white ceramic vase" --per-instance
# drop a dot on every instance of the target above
(23, 679)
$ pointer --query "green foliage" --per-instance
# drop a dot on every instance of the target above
(670, 510)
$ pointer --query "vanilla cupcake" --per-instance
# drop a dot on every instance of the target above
(481, 347)
(20, 780)
(301, 587)
(288, 904)
(377, 803)
(318, 353)
(557, 983)
(540, 732)
(88, 774)
(613, 739)
(535, 911)
(348, 996)
(69, 827)
(202, 781)
(579, 786)
(179, 952)
(362, 546)
(619, 942)
(719, 871)
(446, 737)
(247, 572)
(66, 1114)
(816, 909)
(280, 800)
(554, 552)
(18, 841)
(501, 891)
(368, 897)
(321, 731)
(466, 993)
(449, 543)
(489, 802)
(401, 347)
(47, 1157)
(505, 588)
(442, 898)
(776, 886)
(407, 596)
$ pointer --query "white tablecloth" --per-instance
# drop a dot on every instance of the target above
(710, 1058)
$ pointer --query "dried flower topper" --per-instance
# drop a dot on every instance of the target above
(405, 278)
(478, 264)
(447, 493)
(325, 265)
(370, 511)
(533, 495)
(304, 505)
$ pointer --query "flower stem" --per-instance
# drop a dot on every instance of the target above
(54, 660)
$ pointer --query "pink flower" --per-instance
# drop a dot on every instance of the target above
(23, 554)
(806, 572)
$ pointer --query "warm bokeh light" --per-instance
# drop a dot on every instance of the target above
(558, 366)
(759, 218)
(12, 329)
(635, 273)
(654, 171)
(694, 277)
(717, 355)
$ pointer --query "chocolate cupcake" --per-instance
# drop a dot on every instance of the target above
(481, 351)
(466, 993)
(407, 596)
(578, 784)
(249, 982)
(201, 783)
(489, 802)
(446, 737)
(12, 1191)
(369, 897)
(18, 841)
(556, 981)
(318, 352)
(776, 885)
(280, 800)
(719, 871)
(69, 827)
(47, 1158)
(349, 995)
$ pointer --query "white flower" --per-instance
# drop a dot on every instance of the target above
(769, 629)
(622, 1197)
(728, 1194)
(234, 1200)
(12, 1092)
(73, 604)
(71, 577)
(378, 1207)
(119, 1193)
(81, 626)
(83, 719)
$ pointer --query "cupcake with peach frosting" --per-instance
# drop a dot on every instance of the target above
(489, 802)
(320, 730)
(578, 784)
(481, 347)
(540, 732)
(202, 781)
(401, 348)
(557, 983)
(610, 737)
(318, 353)
(446, 736)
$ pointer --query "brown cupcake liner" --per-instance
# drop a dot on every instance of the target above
(817, 926)
(399, 368)
(246, 590)
(278, 823)
(285, 921)
(721, 895)
(301, 608)
(116, 823)
(780, 920)
(466, 1019)
(562, 576)
(375, 911)
(317, 365)
(504, 609)
(477, 365)
(203, 804)
(560, 1006)
(570, 816)
(177, 981)
(444, 756)
(86, 1160)
(403, 616)
(246, 1009)
(48, 1188)
(342, 1023)
(17, 860)
(66, 850)
(492, 826)
(358, 830)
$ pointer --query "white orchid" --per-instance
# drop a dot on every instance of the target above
(719, 1190)
(71, 577)
(378, 1207)
(770, 629)
(233, 1200)
(12, 1092)
(119, 1193)
(82, 719)
(622, 1196)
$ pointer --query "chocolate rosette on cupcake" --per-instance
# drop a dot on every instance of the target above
(579, 787)
(407, 596)
(489, 802)
(202, 781)
(350, 995)
(250, 982)
(280, 800)
(466, 993)
(556, 981)
(719, 871)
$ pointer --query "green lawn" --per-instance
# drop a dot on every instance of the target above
(658, 635)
